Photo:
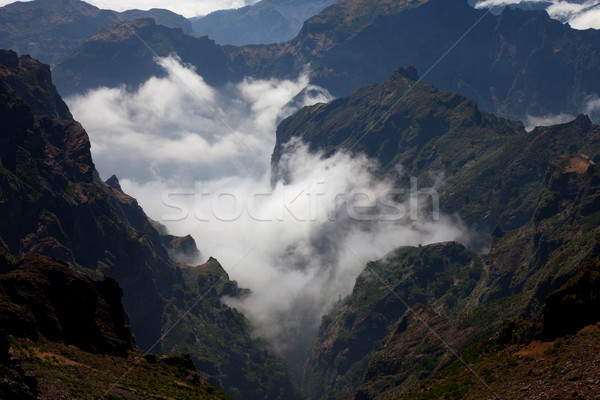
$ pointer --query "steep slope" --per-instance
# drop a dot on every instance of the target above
(55, 204)
(34, 85)
(493, 171)
(43, 297)
(69, 338)
(463, 297)
(354, 331)
(117, 56)
(530, 358)
(268, 21)
(50, 30)
(517, 63)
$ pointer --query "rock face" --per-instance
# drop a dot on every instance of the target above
(54, 204)
(33, 83)
(51, 30)
(43, 297)
(517, 63)
(182, 250)
(14, 384)
(356, 338)
(575, 305)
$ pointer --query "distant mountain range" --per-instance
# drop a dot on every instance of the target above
(117, 56)
(516, 64)
(50, 30)
(268, 21)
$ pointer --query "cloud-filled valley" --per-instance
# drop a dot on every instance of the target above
(198, 160)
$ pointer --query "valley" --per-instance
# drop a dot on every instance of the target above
(379, 200)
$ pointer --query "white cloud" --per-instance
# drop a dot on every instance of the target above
(184, 154)
(532, 121)
(179, 123)
(579, 14)
(590, 107)
(187, 8)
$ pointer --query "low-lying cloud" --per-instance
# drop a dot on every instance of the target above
(198, 160)
(579, 14)
(178, 127)
(590, 107)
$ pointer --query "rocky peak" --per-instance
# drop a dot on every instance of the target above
(409, 72)
(31, 80)
(182, 250)
(9, 58)
(113, 182)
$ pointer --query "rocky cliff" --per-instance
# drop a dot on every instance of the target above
(55, 204)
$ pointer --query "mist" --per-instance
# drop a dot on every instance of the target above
(198, 161)
(590, 107)
(580, 14)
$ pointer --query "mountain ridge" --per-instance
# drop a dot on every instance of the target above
(267, 21)
(61, 26)
(509, 74)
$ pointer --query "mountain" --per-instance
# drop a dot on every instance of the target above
(69, 338)
(522, 360)
(50, 30)
(43, 297)
(371, 347)
(514, 64)
(160, 16)
(533, 195)
(268, 21)
(493, 169)
(517, 64)
(125, 54)
(54, 204)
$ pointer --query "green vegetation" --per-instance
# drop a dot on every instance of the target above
(66, 371)
(441, 275)
(493, 170)
(464, 297)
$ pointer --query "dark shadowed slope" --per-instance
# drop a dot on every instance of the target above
(53, 203)
(517, 63)
(117, 56)
(493, 170)
(50, 30)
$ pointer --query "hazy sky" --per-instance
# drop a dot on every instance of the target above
(188, 8)
(581, 14)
